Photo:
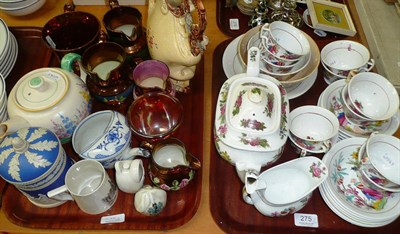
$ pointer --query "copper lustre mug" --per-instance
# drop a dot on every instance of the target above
(105, 69)
(124, 26)
(72, 31)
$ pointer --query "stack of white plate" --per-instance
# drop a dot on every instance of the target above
(8, 50)
(347, 197)
(331, 99)
(20, 7)
(3, 100)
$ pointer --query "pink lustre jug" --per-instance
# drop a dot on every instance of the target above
(175, 38)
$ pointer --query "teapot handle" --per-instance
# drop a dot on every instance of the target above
(69, 62)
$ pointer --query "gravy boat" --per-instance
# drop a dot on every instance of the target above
(296, 179)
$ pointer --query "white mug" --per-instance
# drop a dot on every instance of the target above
(88, 184)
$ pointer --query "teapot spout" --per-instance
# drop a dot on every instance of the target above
(12, 125)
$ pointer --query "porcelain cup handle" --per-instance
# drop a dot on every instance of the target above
(370, 65)
(303, 153)
(61, 193)
(264, 32)
(351, 74)
(326, 145)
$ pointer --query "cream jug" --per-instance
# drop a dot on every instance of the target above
(129, 175)
(173, 38)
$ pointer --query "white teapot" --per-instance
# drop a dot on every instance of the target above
(251, 128)
(174, 39)
(47, 97)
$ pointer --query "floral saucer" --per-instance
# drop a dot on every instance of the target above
(330, 99)
(347, 190)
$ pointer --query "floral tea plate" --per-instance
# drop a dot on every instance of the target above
(347, 190)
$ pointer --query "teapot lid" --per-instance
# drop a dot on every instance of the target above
(41, 89)
(27, 154)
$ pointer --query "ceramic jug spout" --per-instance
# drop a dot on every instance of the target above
(12, 125)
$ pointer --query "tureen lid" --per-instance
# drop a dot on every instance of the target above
(230, 130)
(40, 89)
(27, 154)
(253, 106)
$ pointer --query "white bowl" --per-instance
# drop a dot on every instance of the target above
(29, 7)
(344, 55)
(313, 127)
(284, 40)
(373, 96)
(288, 81)
(383, 152)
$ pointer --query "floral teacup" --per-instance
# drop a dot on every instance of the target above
(313, 128)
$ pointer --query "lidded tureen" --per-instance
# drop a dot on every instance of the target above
(251, 119)
(34, 161)
(47, 97)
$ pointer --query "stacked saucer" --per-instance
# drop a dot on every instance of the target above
(8, 50)
(345, 194)
(331, 99)
(3, 100)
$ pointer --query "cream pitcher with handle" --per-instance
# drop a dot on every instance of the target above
(129, 175)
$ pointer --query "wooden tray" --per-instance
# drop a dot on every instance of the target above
(181, 205)
(229, 210)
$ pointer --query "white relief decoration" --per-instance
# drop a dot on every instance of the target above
(32, 157)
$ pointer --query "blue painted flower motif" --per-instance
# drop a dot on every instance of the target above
(156, 208)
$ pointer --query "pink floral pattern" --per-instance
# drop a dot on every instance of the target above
(317, 170)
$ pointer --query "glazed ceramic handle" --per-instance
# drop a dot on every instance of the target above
(69, 62)
(253, 62)
(253, 183)
(264, 31)
(60, 193)
(370, 65)
(246, 196)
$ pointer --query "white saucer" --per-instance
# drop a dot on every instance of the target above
(13, 56)
(230, 59)
(326, 100)
(344, 195)
(232, 66)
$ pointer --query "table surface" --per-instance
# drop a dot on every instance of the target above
(202, 222)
